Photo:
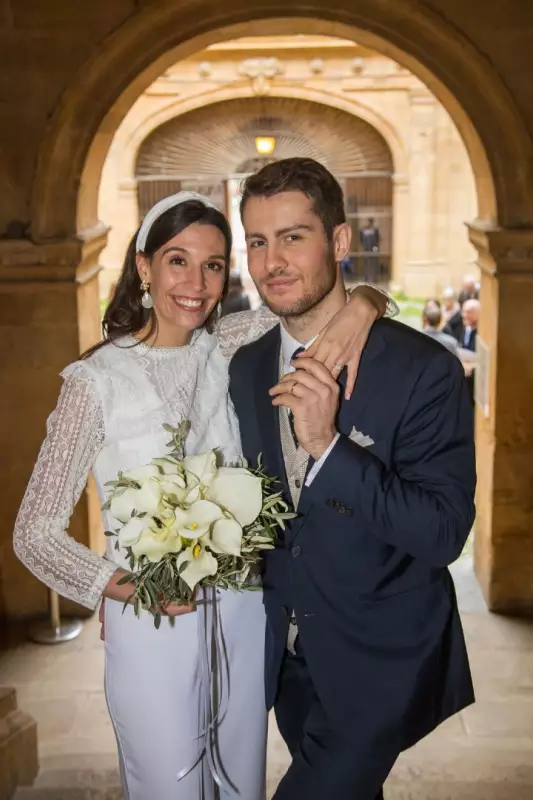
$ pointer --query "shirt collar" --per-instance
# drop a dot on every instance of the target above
(288, 345)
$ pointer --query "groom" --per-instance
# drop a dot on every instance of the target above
(365, 653)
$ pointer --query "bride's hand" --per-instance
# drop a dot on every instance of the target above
(175, 610)
(116, 590)
(341, 343)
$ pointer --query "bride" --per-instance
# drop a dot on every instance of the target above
(163, 360)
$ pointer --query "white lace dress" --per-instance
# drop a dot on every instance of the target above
(108, 418)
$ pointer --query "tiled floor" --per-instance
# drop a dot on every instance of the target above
(484, 753)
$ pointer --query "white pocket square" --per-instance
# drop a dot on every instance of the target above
(360, 438)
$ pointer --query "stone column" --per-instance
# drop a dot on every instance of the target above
(123, 208)
(504, 425)
(419, 273)
(400, 229)
(49, 313)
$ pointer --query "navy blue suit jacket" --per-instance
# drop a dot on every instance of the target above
(364, 565)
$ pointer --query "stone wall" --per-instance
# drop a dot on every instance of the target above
(71, 72)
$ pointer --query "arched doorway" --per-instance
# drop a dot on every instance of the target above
(211, 149)
(79, 134)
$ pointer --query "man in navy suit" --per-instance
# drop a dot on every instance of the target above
(365, 652)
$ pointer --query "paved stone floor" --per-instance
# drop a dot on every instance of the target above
(484, 753)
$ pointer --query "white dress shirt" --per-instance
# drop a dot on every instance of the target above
(288, 345)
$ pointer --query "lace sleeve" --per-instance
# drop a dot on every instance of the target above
(244, 327)
(234, 330)
(392, 309)
(75, 433)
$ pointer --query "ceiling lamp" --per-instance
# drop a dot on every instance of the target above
(265, 145)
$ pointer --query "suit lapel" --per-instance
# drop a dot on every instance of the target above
(352, 411)
(266, 377)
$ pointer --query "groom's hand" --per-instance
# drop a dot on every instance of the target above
(313, 397)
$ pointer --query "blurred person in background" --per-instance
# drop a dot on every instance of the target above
(451, 313)
(236, 299)
(470, 290)
(467, 341)
(470, 313)
(431, 325)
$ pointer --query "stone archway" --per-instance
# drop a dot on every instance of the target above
(64, 207)
(206, 150)
(351, 105)
(218, 137)
(118, 197)
(92, 108)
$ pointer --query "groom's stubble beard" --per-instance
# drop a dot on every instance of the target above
(325, 284)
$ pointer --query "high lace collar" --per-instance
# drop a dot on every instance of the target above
(200, 340)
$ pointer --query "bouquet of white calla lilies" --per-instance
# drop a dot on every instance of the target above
(187, 522)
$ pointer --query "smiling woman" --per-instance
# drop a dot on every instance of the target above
(179, 257)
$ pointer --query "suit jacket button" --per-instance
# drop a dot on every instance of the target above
(296, 550)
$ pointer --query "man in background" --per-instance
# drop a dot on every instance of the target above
(369, 238)
(237, 299)
(451, 313)
(467, 340)
(470, 314)
(470, 290)
(431, 324)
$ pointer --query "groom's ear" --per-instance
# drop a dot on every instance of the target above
(342, 238)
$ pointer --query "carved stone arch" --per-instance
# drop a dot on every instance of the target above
(215, 139)
(354, 106)
(80, 132)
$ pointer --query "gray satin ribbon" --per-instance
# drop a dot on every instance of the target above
(214, 689)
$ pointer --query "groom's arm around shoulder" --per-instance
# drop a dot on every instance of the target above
(423, 504)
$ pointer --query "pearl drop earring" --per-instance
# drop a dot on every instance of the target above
(146, 300)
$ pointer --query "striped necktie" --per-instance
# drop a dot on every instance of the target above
(291, 415)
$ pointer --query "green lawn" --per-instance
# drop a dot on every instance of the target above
(410, 309)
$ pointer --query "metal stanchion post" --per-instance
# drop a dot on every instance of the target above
(53, 631)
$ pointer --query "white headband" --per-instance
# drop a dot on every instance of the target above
(163, 205)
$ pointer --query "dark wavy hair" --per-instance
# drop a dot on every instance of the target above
(125, 314)
(300, 175)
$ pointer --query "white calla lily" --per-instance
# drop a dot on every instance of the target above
(146, 499)
(226, 537)
(142, 473)
(238, 491)
(177, 480)
(193, 494)
(130, 533)
(201, 563)
(175, 485)
(156, 544)
(195, 521)
(203, 466)
(167, 466)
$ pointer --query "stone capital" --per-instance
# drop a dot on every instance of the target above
(400, 181)
(128, 186)
(61, 260)
(502, 251)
